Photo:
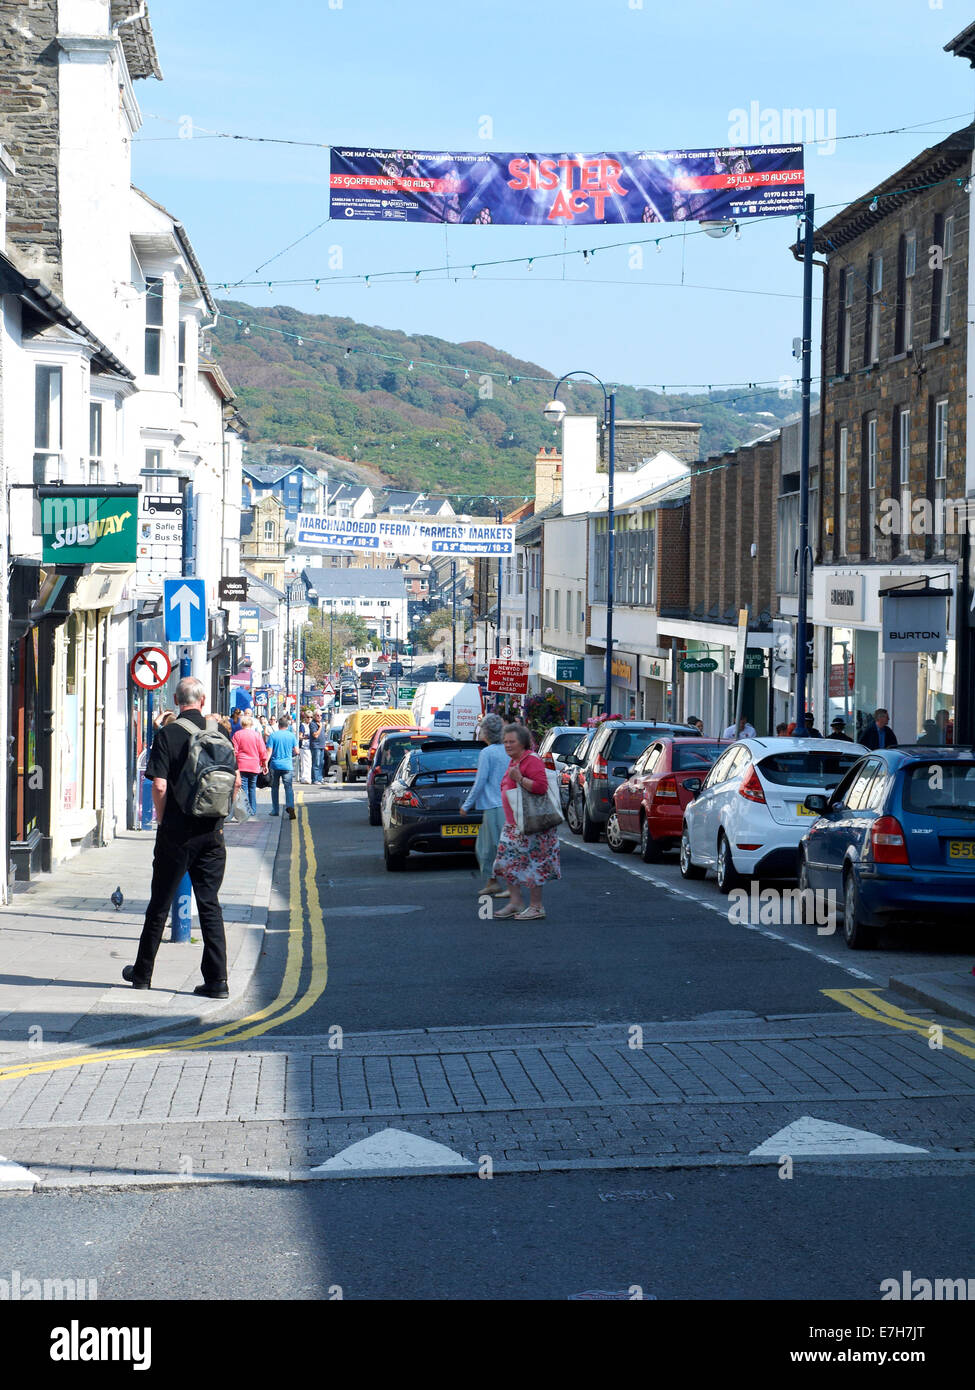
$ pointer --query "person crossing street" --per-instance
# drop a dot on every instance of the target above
(282, 745)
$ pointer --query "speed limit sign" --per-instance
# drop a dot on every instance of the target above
(297, 667)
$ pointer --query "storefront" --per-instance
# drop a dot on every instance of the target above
(859, 675)
(566, 676)
(625, 680)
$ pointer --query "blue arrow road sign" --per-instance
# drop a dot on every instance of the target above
(185, 606)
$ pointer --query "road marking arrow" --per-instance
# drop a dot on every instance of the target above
(185, 599)
(807, 1136)
(15, 1178)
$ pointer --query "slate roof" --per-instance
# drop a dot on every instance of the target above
(356, 583)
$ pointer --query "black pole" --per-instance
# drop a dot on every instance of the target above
(807, 284)
(611, 550)
(287, 643)
(497, 633)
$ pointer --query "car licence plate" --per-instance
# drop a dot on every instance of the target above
(803, 811)
(961, 849)
(464, 832)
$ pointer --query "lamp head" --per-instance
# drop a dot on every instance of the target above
(554, 412)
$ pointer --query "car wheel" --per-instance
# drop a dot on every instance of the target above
(805, 886)
(395, 863)
(590, 830)
(614, 837)
(727, 875)
(858, 934)
(375, 817)
(572, 817)
(650, 851)
(688, 868)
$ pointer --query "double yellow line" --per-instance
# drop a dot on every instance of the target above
(291, 1001)
(868, 1004)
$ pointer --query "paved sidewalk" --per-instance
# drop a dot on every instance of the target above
(63, 945)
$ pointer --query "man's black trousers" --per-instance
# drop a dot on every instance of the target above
(204, 858)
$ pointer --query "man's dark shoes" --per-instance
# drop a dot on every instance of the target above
(217, 991)
(128, 974)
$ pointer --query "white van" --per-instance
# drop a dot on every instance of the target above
(448, 707)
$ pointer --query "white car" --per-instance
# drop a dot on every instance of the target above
(748, 817)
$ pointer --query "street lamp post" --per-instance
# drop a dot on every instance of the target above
(807, 282)
(453, 620)
(555, 412)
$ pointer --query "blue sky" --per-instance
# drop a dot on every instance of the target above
(586, 75)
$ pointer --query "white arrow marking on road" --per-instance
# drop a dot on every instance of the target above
(808, 1136)
(394, 1148)
(12, 1175)
(184, 598)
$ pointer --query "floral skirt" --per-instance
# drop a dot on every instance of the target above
(531, 859)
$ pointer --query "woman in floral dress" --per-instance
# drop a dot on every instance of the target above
(524, 860)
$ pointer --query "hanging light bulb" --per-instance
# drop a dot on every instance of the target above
(658, 246)
(875, 204)
(585, 258)
(467, 376)
(318, 284)
(348, 352)
(737, 232)
(530, 259)
(416, 278)
(969, 185)
(368, 286)
(247, 330)
(301, 342)
(410, 367)
(270, 287)
(473, 272)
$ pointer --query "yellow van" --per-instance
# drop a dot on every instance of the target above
(357, 734)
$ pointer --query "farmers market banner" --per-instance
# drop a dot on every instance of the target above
(578, 189)
(404, 537)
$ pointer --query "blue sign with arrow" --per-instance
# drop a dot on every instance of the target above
(185, 607)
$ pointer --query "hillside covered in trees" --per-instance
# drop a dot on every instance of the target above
(341, 388)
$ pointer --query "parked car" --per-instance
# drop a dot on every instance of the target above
(357, 733)
(895, 840)
(749, 816)
(388, 749)
(557, 743)
(421, 806)
(649, 806)
(609, 760)
(573, 765)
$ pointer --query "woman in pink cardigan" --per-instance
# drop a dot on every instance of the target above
(524, 859)
(251, 751)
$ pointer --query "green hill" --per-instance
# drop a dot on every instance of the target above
(341, 388)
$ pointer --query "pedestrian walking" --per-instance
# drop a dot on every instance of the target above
(185, 843)
(281, 744)
(742, 730)
(837, 729)
(251, 753)
(879, 734)
(486, 796)
(810, 730)
(524, 860)
(318, 740)
(304, 749)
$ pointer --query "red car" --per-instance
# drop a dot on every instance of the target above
(650, 804)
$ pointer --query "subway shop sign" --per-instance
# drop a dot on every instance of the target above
(85, 525)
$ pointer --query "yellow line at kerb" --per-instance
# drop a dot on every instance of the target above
(868, 1004)
(285, 1007)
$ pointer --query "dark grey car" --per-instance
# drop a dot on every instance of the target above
(607, 763)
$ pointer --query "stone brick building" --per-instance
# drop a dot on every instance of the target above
(893, 454)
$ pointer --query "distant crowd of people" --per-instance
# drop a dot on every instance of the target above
(872, 733)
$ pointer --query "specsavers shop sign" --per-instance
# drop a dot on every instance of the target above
(88, 525)
(566, 189)
(404, 537)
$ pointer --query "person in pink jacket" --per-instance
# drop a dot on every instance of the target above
(251, 753)
(524, 859)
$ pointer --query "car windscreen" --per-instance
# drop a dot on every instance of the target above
(394, 748)
(802, 769)
(564, 743)
(628, 744)
(696, 756)
(335, 733)
(442, 764)
(941, 789)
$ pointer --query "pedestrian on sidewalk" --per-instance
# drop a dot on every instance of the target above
(184, 844)
(281, 745)
(318, 740)
(485, 796)
(304, 749)
(524, 860)
(251, 753)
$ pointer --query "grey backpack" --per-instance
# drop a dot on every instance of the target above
(205, 785)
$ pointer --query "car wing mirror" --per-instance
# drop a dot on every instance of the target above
(621, 770)
(693, 785)
(818, 803)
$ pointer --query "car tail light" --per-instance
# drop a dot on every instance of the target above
(407, 799)
(549, 762)
(600, 771)
(353, 749)
(887, 842)
(666, 789)
(751, 789)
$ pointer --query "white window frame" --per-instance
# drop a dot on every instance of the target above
(49, 422)
(948, 247)
(847, 319)
(556, 605)
(269, 531)
(940, 470)
(154, 329)
(904, 473)
(844, 464)
(876, 288)
(871, 462)
(907, 308)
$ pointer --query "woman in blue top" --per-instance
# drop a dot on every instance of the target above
(485, 796)
(281, 744)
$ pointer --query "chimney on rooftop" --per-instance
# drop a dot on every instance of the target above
(548, 477)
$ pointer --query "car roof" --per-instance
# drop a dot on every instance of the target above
(792, 745)
(920, 752)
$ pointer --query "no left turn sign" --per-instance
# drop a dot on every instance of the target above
(150, 668)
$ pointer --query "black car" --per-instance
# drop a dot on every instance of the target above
(608, 762)
(388, 755)
(421, 806)
(349, 694)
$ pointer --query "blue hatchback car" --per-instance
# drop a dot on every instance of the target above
(896, 840)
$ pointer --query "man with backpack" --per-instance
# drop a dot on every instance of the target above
(194, 778)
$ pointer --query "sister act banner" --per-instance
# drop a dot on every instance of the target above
(566, 189)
